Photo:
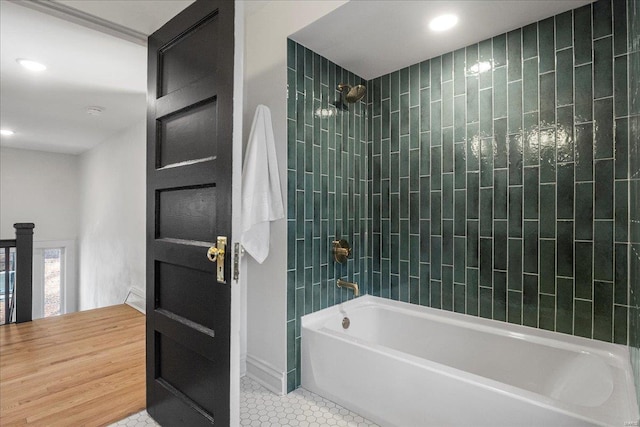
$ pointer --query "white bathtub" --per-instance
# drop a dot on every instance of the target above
(399, 364)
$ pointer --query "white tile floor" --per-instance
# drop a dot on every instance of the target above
(260, 407)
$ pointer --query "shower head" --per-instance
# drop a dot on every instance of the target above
(352, 94)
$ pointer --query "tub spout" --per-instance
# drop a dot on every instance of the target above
(353, 286)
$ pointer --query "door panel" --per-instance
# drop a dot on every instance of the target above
(189, 135)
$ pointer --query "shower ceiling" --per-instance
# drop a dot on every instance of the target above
(374, 37)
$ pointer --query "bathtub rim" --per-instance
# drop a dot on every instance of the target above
(615, 355)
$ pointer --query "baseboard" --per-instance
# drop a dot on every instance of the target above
(266, 375)
(136, 298)
(243, 365)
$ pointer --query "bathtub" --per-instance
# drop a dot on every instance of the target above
(404, 365)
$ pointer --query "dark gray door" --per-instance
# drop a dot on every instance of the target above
(189, 137)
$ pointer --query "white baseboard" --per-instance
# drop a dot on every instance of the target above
(243, 365)
(266, 375)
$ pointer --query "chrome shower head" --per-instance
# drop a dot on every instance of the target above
(352, 94)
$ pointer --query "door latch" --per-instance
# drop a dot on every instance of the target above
(236, 261)
(216, 254)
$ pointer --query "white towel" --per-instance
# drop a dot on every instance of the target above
(261, 195)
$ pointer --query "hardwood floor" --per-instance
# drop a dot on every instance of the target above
(80, 369)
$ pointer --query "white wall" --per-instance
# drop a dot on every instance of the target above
(267, 29)
(39, 187)
(112, 219)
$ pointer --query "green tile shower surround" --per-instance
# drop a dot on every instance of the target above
(501, 180)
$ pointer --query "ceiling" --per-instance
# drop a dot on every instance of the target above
(375, 37)
(85, 67)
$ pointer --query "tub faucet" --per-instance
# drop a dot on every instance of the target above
(353, 286)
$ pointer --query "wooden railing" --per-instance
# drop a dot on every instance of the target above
(16, 286)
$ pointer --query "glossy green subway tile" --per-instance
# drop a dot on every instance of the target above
(547, 311)
(447, 242)
(515, 159)
(485, 58)
(425, 285)
(486, 207)
(499, 50)
(486, 303)
(530, 41)
(414, 85)
(486, 255)
(500, 143)
(565, 140)
(515, 265)
(530, 264)
(425, 75)
(472, 99)
(473, 192)
(564, 306)
(603, 311)
(619, 27)
(547, 210)
(500, 247)
(471, 289)
(486, 113)
(460, 209)
(621, 273)
(583, 269)
(564, 30)
(515, 106)
(604, 190)
(602, 67)
(473, 243)
(548, 160)
(620, 87)
(603, 251)
(436, 78)
(447, 150)
(582, 34)
(436, 215)
(515, 211)
(500, 194)
(584, 210)
(530, 300)
(447, 288)
(460, 162)
(514, 307)
(584, 152)
(547, 266)
(499, 296)
(603, 137)
(530, 85)
(473, 147)
(435, 293)
(620, 317)
(583, 93)
(514, 55)
(459, 65)
(602, 13)
(546, 48)
(621, 211)
(565, 188)
(583, 319)
(500, 92)
(564, 249)
(547, 99)
(447, 67)
(564, 81)
(531, 192)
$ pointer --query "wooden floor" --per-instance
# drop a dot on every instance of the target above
(80, 369)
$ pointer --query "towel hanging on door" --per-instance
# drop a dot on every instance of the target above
(261, 194)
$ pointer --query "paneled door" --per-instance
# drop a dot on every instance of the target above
(189, 177)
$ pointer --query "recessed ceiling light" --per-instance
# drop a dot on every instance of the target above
(6, 132)
(95, 110)
(443, 22)
(31, 65)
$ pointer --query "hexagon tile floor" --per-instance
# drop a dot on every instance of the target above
(260, 407)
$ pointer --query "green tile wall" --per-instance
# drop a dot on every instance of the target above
(501, 180)
(327, 179)
(634, 184)
(513, 158)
